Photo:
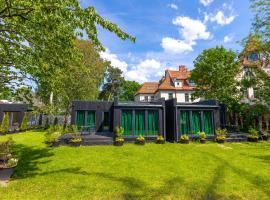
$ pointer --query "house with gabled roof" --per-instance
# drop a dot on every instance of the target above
(174, 84)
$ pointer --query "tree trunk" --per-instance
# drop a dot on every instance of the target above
(241, 122)
(236, 122)
(266, 119)
(66, 115)
(260, 123)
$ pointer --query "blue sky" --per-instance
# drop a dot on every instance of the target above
(169, 32)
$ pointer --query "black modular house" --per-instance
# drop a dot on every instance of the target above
(137, 118)
(16, 113)
(192, 118)
(150, 119)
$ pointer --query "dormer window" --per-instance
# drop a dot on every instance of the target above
(178, 83)
(253, 56)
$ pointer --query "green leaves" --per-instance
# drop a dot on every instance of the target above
(37, 36)
(214, 73)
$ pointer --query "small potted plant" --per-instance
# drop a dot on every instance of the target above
(140, 140)
(184, 139)
(119, 140)
(253, 135)
(8, 162)
(221, 135)
(160, 140)
(52, 136)
(202, 137)
(76, 140)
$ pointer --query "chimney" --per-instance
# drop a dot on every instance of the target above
(182, 68)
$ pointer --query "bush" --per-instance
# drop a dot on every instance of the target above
(53, 133)
(221, 134)
(23, 126)
(119, 131)
(184, 137)
(202, 135)
(253, 133)
(5, 124)
(160, 138)
(47, 125)
(6, 156)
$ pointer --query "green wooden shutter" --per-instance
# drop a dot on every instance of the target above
(196, 122)
(139, 123)
(126, 122)
(208, 123)
(153, 122)
(80, 118)
(184, 119)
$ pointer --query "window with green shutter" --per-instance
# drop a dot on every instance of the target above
(153, 122)
(91, 119)
(208, 122)
(139, 123)
(126, 122)
(184, 122)
(196, 122)
(80, 119)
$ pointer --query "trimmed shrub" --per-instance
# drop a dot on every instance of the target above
(23, 126)
(47, 125)
(5, 124)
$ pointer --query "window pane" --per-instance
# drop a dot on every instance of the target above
(139, 123)
(126, 121)
(196, 122)
(80, 118)
(208, 123)
(153, 122)
(184, 122)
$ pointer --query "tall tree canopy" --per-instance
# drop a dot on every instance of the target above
(261, 23)
(215, 75)
(79, 80)
(113, 83)
(128, 90)
(37, 36)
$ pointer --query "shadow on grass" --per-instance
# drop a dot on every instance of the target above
(29, 159)
(137, 189)
(259, 182)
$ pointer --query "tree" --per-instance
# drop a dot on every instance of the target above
(79, 80)
(38, 36)
(261, 21)
(215, 75)
(5, 124)
(113, 83)
(128, 90)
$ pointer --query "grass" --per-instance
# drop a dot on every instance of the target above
(170, 171)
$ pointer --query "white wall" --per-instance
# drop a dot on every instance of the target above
(141, 97)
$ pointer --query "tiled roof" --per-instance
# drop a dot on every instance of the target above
(167, 82)
(148, 88)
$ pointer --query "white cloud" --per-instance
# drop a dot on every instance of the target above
(192, 29)
(228, 39)
(173, 6)
(145, 70)
(221, 19)
(115, 61)
(173, 46)
(206, 2)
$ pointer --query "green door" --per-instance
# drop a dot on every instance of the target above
(196, 122)
(139, 123)
(153, 122)
(126, 122)
(184, 122)
(80, 118)
(208, 122)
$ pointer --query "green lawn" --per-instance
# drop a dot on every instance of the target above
(170, 171)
